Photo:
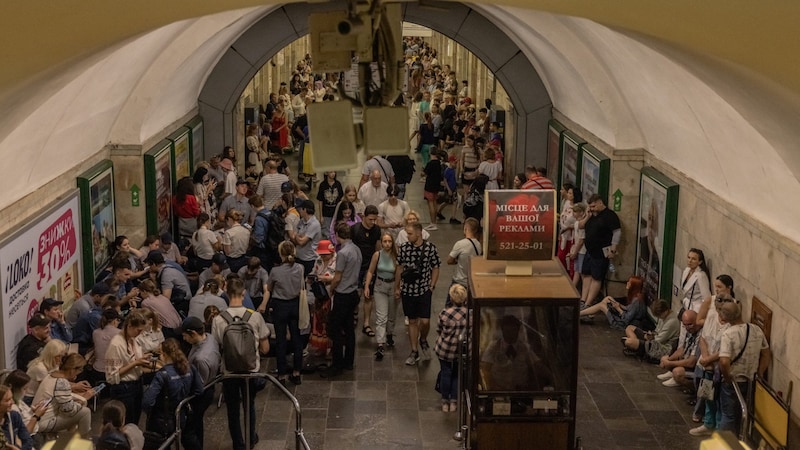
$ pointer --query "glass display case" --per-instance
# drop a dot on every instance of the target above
(524, 356)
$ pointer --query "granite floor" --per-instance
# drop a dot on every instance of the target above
(387, 405)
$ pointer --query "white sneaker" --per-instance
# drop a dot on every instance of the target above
(670, 383)
(432, 227)
(702, 430)
(665, 376)
(412, 359)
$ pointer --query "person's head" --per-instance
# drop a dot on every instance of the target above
(152, 242)
(579, 210)
(414, 232)
(330, 175)
(509, 326)
(148, 288)
(596, 204)
(203, 220)
(370, 216)
(479, 185)
(723, 285)
(635, 285)
(51, 308)
(51, 355)
(72, 365)
(458, 294)
(306, 209)
(235, 288)
(134, 324)
(40, 326)
(287, 252)
(218, 263)
(153, 322)
(232, 217)
(662, 308)
(6, 399)
(411, 217)
(343, 231)
(729, 309)
(193, 330)
(689, 321)
(256, 201)
(375, 178)
(472, 227)
(242, 186)
(392, 190)
(114, 414)
(350, 193)
(171, 353)
(519, 180)
(17, 380)
(567, 191)
(110, 317)
(325, 249)
(200, 176)
(696, 258)
(121, 269)
(214, 162)
(121, 244)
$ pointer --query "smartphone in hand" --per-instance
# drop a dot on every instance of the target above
(99, 388)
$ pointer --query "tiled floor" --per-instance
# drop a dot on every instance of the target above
(387, 405)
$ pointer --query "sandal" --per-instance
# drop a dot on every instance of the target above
(368, 331)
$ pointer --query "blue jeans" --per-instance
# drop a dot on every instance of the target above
(731, 418)
(234, 392)
(448, 380)
(285, 313)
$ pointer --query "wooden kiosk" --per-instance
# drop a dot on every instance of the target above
(522, 383)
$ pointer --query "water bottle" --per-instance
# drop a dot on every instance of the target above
(611, 267)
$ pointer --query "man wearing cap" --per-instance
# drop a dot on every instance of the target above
(239, 202)
(269, 188)
(230, 176)
(32, 344)
(219, 266)
(51, 308)
(309, 232)
(85, 303)
(374, 192)
(173, 283)
(171, 251)
(392, 212)
(205, 357)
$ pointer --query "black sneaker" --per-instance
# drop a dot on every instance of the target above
(389, 340)
(455, 221)
(441, 216)
(379, 354)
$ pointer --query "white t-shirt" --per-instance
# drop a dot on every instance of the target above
(393, 214)
(371, 195)
(733, 339)
(462, 251)
(493, 171)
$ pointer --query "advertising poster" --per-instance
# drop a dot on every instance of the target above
(40, 260)
(569, 159)
(595, 172)
(554, 130)
(196, 141)
(158, 186)
(655, 243)
(182, 154)
(521, 225)
(590, 176)
(98, 223)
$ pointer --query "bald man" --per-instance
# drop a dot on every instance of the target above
(374, 192)
(685, 356)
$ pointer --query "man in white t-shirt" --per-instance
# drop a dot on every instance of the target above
(380, 164)
(461, 253)
(392, 212)
(374, 192)
(234, 389)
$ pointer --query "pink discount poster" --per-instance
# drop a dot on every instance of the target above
(520, 225)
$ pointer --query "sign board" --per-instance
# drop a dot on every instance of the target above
(158, 188)
(521, 225)
(41, 259)
(98, 218)
(181, 154)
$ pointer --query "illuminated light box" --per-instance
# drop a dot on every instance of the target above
(386, 131)
(332, 136)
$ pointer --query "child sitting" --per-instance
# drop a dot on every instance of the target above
(452, 323)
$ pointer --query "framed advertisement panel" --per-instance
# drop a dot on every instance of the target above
(521, 225)
(570, 159)
(98, 218)
(595, 172)
(181, 154)
(196, 141)
(554, 132)
(658, 218)
(41, 259)
(158, 188)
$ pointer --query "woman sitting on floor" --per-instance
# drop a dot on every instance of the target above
(632, 312)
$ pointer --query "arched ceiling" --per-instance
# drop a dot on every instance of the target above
(80, 74)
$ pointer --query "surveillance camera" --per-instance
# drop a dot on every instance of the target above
(344, 27)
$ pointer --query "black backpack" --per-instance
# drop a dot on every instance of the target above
(276, 230)
(113, 440)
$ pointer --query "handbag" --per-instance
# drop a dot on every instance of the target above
(319, 290)
(304, 316)
(706, 389)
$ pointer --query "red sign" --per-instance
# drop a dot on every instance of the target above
(521, 225)
(57, 244)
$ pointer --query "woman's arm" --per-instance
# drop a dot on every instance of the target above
(373, 263)
(153, 391)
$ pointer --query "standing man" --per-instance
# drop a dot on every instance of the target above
(461, 253)
(308, 234)
(239, 202)
(415, 280)
(205, 357)
(602, 233)
(536, 180)
(234, 389)
(392, 212)
(269, 188)
(344, 287)
(366, 235)
(743, 351)
(374, 192)
(51, 308)
(377, 164)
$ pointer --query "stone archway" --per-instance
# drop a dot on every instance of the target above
(465, 25)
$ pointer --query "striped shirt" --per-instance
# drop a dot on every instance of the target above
(269, 188)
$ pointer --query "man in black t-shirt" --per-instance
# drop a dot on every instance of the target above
(366, 235)
(603, 232)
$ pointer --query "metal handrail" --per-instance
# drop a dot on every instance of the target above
(300, 439)
(743, 405)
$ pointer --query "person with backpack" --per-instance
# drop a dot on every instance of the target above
(172, 281)
(175, 381)
(243, 337)
(259, 243)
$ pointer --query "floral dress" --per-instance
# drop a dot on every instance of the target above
(319, 343)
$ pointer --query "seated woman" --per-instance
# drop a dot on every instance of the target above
(18, 381)
(620, 315)
(115, 433)
(66, 410)
(654, 344)
(14, 432)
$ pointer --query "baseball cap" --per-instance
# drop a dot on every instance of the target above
(101, 288)
(49, 303)
(308, 205)
(192, 324)
(154, 257)
(220, 260)
(286, 186)
(38, 320)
